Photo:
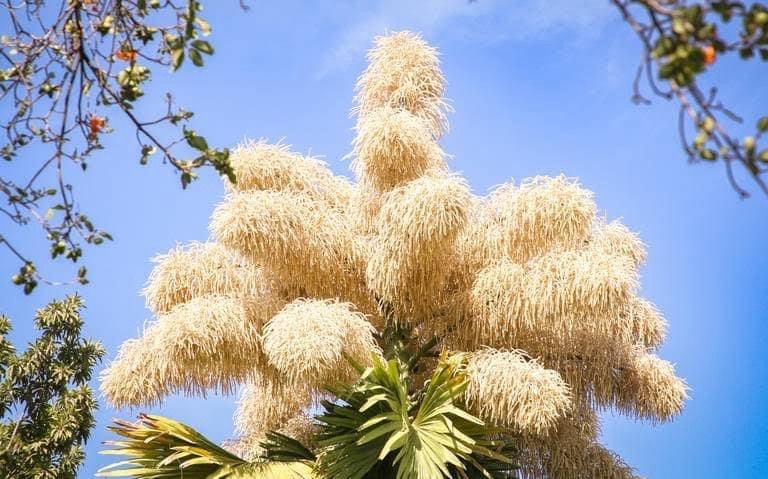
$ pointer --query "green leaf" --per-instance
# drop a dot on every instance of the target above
(708, 124)
(205, 27)
(81, 275)
(186, 178)
(197, 142)
(196, 58)
(700, 140)
(746, 53)
(749, 144)
(202, 46)
(106, 25)
(664, 46)
(177, 58)
(762, 124)
(709, 155)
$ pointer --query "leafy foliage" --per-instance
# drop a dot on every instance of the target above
(47, 406)
(380, 427)
(164, 448)
(64, 67)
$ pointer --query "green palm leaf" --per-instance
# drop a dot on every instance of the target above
(379, 426)
(159, 447)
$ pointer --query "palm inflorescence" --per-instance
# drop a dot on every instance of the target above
(441, 333)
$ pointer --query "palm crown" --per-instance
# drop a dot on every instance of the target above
(308, 274)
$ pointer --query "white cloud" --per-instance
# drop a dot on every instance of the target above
(482, 20)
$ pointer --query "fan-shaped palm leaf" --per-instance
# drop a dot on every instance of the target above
(159, 447)
(379, 426)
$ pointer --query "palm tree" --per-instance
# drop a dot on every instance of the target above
(380, 426)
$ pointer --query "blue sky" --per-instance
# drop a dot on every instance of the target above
(540, 87)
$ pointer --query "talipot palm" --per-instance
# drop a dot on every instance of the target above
(527, 296)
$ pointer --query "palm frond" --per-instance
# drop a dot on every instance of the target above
(159, 447)
(282, 448)
(378, 425)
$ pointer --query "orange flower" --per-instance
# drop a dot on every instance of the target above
(126, 55)
(709, 54)
(97, 124)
